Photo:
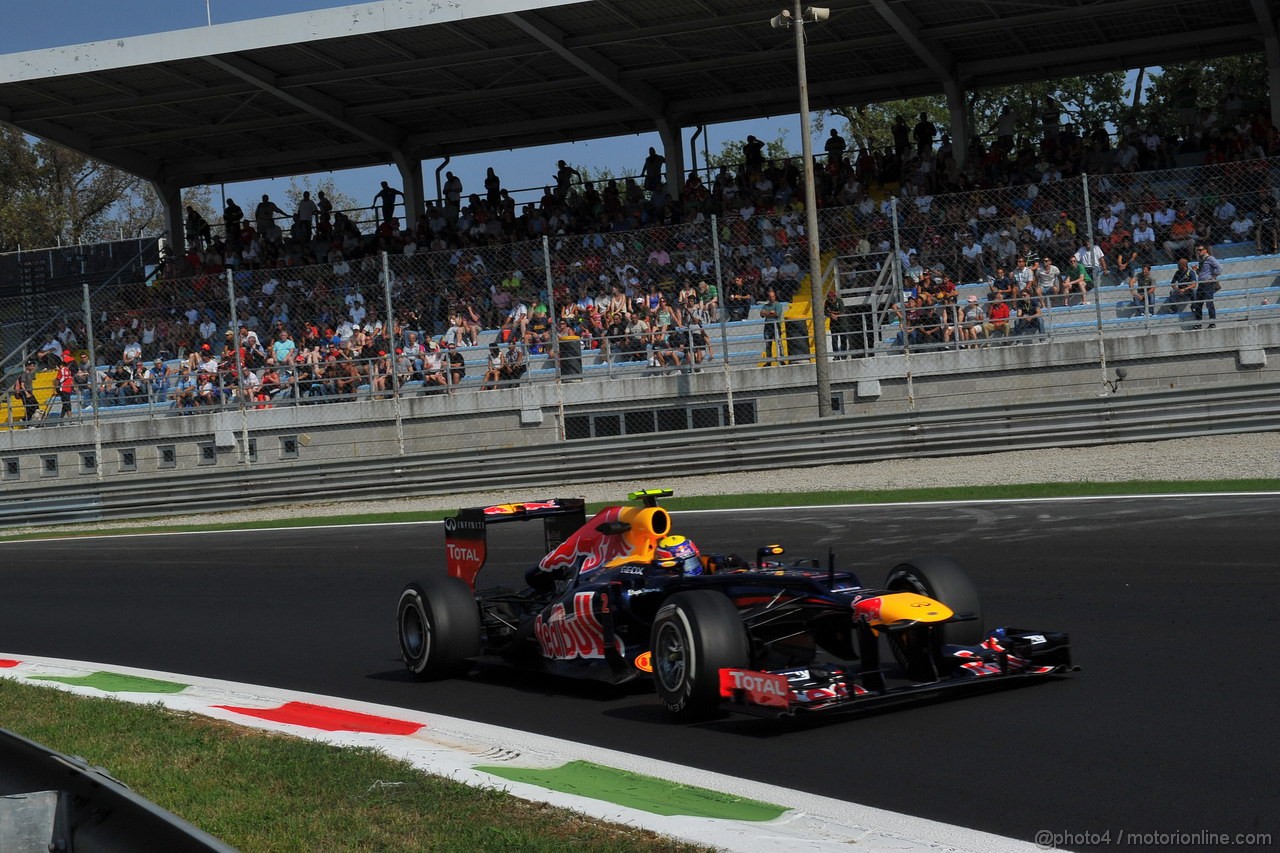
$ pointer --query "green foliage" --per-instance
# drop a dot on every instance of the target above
(730, 153)
(1079, 100)
(1204, 84)
(298, 185)
(51, 195)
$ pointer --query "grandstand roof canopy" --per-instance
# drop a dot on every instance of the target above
(346, 87)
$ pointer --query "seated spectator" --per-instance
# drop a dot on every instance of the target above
(1182, 287)
(514, 364)
(998, 314)
(1182, 236)
(972, 320)
(1142, 286)
(1079, 280)
(493, 368)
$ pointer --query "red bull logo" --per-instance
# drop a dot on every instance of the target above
(512, 509)
(567, 634)
(589, 545)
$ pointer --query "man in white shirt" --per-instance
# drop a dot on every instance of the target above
(1092, 257)
(1242, 226)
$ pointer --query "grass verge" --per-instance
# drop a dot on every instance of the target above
(265, 792)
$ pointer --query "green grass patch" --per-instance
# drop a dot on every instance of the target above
(1021, 491)
(266, 792)
(637, 791)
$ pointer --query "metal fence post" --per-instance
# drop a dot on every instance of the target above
(899, 297)
(724, 319)
(93, 378)
(1097, 284)
(553, 318)
(389, 332)
(235, 342)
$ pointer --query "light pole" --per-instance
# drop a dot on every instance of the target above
(796, 20)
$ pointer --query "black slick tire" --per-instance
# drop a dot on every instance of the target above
(942, 579)
(694, 635)
(438, 624)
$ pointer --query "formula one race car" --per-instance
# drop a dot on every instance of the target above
(621, 597)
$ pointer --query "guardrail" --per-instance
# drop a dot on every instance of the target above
(916, 434)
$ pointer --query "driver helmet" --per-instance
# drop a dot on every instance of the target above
(678, 552)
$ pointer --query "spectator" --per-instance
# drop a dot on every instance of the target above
(493, 368)
(1182, 236)
(1182, 286)
(23, 390)
(514, 365)
(771, 311)
(972, 320)
(385, 199)
(264, 216)
(651, 171)
(1208, 271)
(1142, 286)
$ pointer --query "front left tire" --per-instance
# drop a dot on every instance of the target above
(695, 634)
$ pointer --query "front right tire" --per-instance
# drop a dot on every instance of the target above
(438, 623)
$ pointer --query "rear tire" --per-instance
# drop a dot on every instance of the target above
(438, 624)
(694, 635)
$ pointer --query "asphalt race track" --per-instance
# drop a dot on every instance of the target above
(1172, 606)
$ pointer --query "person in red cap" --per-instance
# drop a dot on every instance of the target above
(65, 383)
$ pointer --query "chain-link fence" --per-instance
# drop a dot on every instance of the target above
(494, 328)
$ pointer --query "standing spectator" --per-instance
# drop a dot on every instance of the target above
(924, 132)
(385, 198)
(841, 325)
(305, 216)
(753, 154)
(64, 384)
(1093, 258)
(651, 171)
(835, 148)
(232, 217)
(771, 313)
(1207, 273)
(492, 189)
(22, 389)
(565, 175)
(264, 216)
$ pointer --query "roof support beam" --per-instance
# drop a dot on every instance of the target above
(370, 129)
(1271, 47)
(934, 55)
(99, 107)
(591, 63)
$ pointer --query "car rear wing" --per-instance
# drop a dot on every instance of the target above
(465, 533)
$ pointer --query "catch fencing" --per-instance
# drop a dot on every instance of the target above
(914, 280)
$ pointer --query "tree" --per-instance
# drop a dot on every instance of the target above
(52, 195)
(298, 185)
(1081, 101)
(1204, 84)
(731, 151)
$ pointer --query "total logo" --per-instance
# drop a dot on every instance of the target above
(466, 553)
(757, 688)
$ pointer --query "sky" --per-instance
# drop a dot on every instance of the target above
(54, 23)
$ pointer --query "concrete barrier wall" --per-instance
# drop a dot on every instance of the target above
(531, 416)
